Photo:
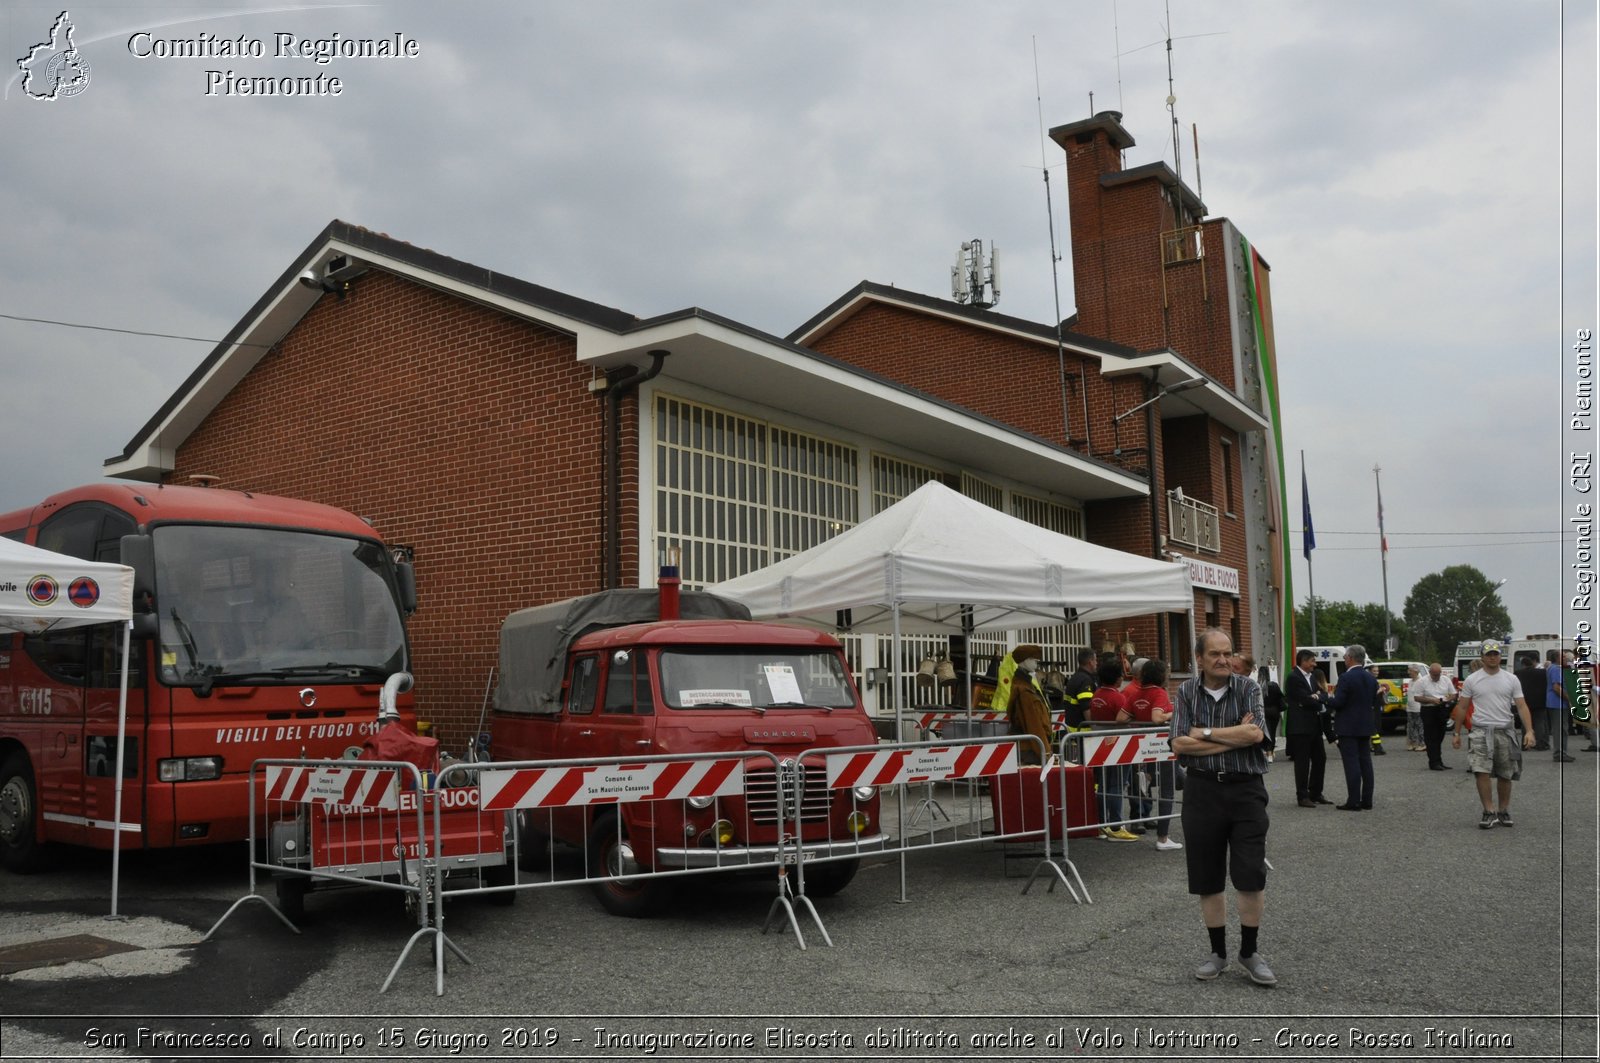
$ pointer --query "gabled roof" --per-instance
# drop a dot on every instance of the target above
(836, 312)
(1163, 368)
(707, 350)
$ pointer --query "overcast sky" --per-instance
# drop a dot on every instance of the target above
(1401, 165)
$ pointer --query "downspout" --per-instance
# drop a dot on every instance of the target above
(1155, 511)
(611, 463)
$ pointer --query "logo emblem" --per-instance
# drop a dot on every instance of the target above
(42, 590)
(54, 69)
(308, 697)
(83, 592)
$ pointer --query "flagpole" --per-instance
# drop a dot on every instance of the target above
(1383, 554)
(1308, 542)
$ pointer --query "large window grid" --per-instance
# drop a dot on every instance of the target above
(894, 479)
(991, 495)
(736, 494)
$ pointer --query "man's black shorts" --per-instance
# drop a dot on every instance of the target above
(1225, 832)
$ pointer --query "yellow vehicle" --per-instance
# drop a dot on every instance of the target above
(1394, 679)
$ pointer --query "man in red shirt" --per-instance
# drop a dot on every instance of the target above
(1108, 709)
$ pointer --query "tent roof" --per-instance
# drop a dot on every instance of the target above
(937, 552)
(40, 590)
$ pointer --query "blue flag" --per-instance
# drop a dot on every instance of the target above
(1308, 540)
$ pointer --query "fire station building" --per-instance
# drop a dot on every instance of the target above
(528, 445)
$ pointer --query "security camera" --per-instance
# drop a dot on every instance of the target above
(310, 279)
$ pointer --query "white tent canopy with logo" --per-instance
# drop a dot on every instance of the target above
(44, 591)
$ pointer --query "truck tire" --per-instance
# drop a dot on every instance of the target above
(292, 890)
(607, 856)
(20, 850)
(499, 875)
(825, 880)
(533, 843)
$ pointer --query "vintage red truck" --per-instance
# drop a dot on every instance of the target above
(632, 673)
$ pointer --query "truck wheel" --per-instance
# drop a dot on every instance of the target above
(292, 890)
(499, 875)
(533, 844)
(20, 850)
(609, 855)
(825, 880)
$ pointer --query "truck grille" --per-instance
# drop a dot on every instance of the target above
(761, 795)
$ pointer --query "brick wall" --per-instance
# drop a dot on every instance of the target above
(454, 428)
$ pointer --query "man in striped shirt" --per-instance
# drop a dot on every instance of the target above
(1217, 727)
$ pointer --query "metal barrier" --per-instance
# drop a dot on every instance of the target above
(356, 822)
(1117, 759)
(639, 822)
(912, 770)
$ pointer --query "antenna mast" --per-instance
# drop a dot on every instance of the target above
(1055, 276)
(1172, 103)
(969, 277)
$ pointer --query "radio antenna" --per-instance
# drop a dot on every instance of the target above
(1055, 258)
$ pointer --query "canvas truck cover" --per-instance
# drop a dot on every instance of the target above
(533, 642)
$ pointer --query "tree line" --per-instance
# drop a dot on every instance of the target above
(1454, 605)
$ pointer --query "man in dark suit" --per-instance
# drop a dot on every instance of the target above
(1302, 731)
(1354, 721)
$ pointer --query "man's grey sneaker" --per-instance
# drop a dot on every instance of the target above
(1488, 820)
(1213, 966)
(1257, 969)
(1505, 820)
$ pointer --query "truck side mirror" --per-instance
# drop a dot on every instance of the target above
(406, 577)
(138, 553)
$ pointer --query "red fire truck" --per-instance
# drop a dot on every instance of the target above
(263, 627)
(623, 673)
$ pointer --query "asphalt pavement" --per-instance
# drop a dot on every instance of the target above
(1403, 932)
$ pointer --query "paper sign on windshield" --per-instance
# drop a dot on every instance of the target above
(688, 698)
(782, 683)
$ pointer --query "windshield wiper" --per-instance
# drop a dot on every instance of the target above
(345, 671)
(798, 705)
(332, 671)
(188, 638)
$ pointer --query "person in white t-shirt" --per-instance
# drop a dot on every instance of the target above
(1486, 703)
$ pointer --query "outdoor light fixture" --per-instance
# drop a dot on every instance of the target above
(1477, 625)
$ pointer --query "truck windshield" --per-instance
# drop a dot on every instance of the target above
(754, 677)
(263, 605)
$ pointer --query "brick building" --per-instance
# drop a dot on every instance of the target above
(528, 445)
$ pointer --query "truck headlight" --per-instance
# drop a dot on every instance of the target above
(865, 793)
(701, 802)
(858, 822)
(189, 769)
(720, 836)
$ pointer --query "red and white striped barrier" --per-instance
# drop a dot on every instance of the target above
(928, 719)
(937, 764)
(609, 784)
(1108, 750)
(352, 787)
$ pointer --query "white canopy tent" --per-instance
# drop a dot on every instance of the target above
(939, 562)
(44, 591)
(936, 552)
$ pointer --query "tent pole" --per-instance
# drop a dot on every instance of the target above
(899, 736)
(122, 737)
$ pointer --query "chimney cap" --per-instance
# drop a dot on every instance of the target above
(1107, 122)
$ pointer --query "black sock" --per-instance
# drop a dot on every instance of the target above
(1247, 940)
(1219, 939)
